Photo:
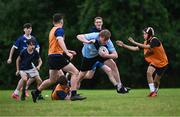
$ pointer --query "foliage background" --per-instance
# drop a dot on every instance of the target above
(123, 17)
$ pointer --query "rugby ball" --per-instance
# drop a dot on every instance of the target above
(102, 50)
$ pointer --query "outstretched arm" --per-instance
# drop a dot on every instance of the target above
(9, 61)
(132, 48)
(82, 38)
(138, 44)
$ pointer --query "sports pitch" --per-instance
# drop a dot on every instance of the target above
(98, 103)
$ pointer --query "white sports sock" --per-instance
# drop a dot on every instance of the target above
(156, 90)
(119, 85)
(151, 86)
(16, 92)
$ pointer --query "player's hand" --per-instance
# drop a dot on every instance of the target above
(38, 68)
(91, 41)
(69, 55)
(119, 43)
(131, 39)
(17, 73)
(73, 52)
(9, 61)
(104, 54)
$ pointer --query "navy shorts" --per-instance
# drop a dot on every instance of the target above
(87, 63)
(159, 71)
(57, 62)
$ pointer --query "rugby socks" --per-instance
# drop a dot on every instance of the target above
(151, 87)
(73, 93)
(37, 92)
(118, 86)
(16, 92)
(156, 90)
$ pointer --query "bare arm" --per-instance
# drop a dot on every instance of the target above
(39, 63)
(17, 65)
(132, 48)
(9, 61)
(112, 55)
(63, 46)
(82, 38)
(138, 44)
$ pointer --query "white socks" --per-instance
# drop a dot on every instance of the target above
(119, 85)
(151, 86)
(16, 92)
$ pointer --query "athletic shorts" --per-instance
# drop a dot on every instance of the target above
(159, 71)
(57, 62)
(87, 63)
(31, 72)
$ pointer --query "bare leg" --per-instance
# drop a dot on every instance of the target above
(89, 74)
(81, 76)
(110, 63)
(157, 82)
(74, 75)
(29, 82)
(109, 73)
(150, 80)
(19, 85)
(53, 76)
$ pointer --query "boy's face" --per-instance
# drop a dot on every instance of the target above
(145, 35)
(31, 46)
(98, 23)
(28, 31)
(102, 40)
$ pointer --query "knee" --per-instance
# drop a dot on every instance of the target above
(52, 81)
(149, 74)
(24, 79)
(109, 70)
(113, 65)
(75, 72)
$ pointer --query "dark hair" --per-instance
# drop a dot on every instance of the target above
(27, 25)
(62, 80)
(31, 41)
(57, 17)
(105, 33)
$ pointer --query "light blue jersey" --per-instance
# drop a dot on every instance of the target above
(90, 51)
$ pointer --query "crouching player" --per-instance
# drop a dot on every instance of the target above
(24, 67)
(62, 89)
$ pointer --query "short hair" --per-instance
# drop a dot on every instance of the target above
(98, 17)
(57, 17)
(27, 25)
(62, 80)
(105, 33)
(31, 41)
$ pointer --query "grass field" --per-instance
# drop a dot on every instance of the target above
(98, 103)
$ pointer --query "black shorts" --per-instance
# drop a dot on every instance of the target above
(57, 62)
(159, 71)
(87, 63)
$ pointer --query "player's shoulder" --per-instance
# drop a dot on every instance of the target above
(155, 39)
(33, 37)
(23, 51)
(20, 38)
(60, 29)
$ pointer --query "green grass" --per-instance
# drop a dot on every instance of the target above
(98, 103)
